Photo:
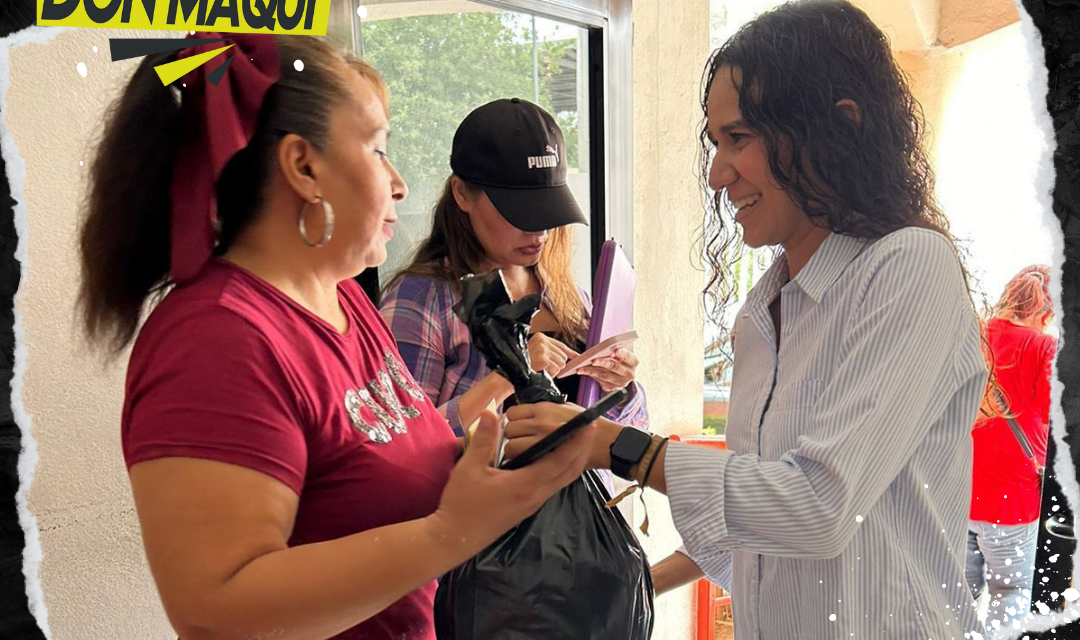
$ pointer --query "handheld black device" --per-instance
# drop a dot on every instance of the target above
(560, 435)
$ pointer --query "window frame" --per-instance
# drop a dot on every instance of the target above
(610, 81)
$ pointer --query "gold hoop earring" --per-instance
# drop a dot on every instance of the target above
(328, 222)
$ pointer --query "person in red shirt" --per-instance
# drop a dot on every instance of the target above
(290, 477)
(1006, 483)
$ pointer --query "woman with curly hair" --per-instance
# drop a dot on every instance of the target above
(857, 371)
(1007, 480)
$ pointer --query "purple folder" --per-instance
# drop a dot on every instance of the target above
(612, 309)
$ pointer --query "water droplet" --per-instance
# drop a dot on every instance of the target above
(82, 69)
(299, 65)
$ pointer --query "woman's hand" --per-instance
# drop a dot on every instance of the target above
(548, 354)
(614, 372)
(527, 424)
(480, 503)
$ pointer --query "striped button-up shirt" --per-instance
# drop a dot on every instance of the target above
(839, 509)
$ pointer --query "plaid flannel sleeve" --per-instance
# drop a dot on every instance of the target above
(414, 311)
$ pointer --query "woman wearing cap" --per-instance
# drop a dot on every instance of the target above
(506, 206)
(267, 414)
(1006, 483)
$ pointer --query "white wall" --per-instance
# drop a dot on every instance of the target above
(671, 46)
(94, 576)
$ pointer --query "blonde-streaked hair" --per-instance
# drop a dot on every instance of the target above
(452, 251)
(371, 74)
(1026, 296)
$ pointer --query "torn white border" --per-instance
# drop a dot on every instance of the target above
(1065, 473)
(16, 170)
(28, 457)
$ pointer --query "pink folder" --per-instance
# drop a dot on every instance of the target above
(612, 309)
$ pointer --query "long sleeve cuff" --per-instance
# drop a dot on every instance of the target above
(450, 412)
(695, 488)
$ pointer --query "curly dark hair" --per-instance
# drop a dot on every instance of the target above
(864, 179)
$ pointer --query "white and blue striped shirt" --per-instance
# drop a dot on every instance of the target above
(840, 508)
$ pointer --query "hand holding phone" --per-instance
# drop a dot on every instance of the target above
(560, 435)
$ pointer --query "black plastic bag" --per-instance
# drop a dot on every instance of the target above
(499, 330)
(573, 570)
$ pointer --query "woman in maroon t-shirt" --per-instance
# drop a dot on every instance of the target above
(1006, 486)
(291, 478)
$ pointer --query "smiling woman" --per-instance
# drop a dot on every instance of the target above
(857, 362)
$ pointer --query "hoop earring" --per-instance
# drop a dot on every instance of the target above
(328, 223)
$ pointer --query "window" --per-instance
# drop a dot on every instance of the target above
(443, 58)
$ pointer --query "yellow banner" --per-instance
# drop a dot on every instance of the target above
(308, 17)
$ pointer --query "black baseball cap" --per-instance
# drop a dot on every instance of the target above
(514, 151)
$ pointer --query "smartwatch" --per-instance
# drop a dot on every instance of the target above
(627, 450)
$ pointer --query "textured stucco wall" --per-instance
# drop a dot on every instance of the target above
(671, 46)
(93, 574)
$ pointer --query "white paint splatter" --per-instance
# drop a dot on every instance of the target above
(95, 48)
(832, 617)
(1054, 558)
(299, 65)
(858, 518)
(362, 12)
(1072, 595)
(82, 69)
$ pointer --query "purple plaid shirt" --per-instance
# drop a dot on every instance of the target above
(436, 347)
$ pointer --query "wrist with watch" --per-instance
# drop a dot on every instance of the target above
(633, 453)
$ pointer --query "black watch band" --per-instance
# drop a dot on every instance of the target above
(627, 450)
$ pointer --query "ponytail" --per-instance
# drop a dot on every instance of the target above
(124, 240)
